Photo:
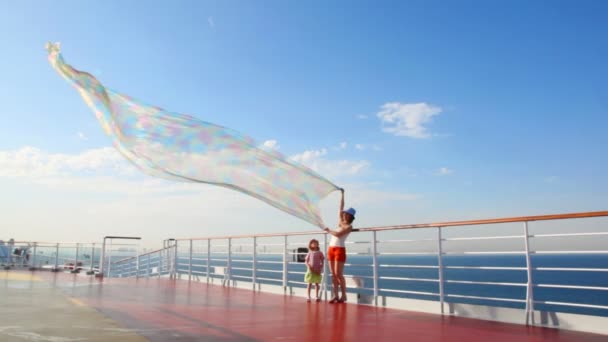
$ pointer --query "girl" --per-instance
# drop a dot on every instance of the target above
(337, 250)
(314, 264)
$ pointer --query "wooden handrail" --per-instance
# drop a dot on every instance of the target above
(425, 225)
(493, 221)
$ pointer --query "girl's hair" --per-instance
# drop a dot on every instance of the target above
(310, 244)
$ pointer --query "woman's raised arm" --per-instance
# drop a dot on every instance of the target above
(341, 206)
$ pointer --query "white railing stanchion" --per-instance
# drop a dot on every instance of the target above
(33, 265)
(76, 261)
(285, 263)
(254, 262)
(208, 259)
(440, 268)
(57, 257)
(190, 262)
(529, 285)
(175, 263)
(160, 261)
(229, 262)
(109, 256)
(375, 266)
(92, 259)
(137, 263)
(325, 273)
(102, 259)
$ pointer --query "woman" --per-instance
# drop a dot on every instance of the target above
(336, 255)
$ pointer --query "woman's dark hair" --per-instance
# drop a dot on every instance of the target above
(310, 244)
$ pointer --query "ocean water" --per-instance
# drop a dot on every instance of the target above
(270, 267)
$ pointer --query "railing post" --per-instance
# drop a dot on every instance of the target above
(9, 258)
(285, 263)
(160, 261)
(440, 268)
(325, 274)
(57, 257)
(148, 267)
(76, 261)
(175, 262)
(102, 259)
(109, 254)
(137, 263)
(254, 262)
(190, 262)
(92, 259)
(33, 265)
(229, 262)
(208, 259)
(375, 266)
(169, 260)
(530, 286)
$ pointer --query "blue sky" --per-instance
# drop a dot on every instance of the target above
(507, 103)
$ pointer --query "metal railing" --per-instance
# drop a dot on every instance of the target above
(155, 263)
(65, 256)
(110, 248)
(532, 262)
(54, 256)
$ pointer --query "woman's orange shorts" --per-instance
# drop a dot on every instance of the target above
(337, 254)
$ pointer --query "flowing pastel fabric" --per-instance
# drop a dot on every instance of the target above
(180, 147)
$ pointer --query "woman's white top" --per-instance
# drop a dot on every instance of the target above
(339, 241)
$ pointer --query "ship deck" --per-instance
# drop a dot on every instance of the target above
(45, 306)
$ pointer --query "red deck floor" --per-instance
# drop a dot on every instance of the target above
(169, 310)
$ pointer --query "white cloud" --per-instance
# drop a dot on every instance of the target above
(407, 119)
(271, 144)
(376, 147)
(82, 136)
(444, 171)
(362, 116)
(105, 170)
(211, 22)
(309, 156)
(315, 160)
(34, 163)
(360, 147)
